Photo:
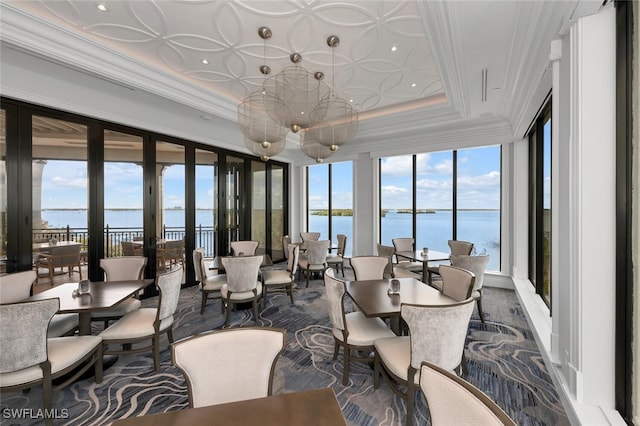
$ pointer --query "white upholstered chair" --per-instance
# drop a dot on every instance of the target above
(391, 271)
(147, 323)
(336, 260)
(28, 358)
(244, 248)
(477, 265)
(454, 401)
(437, 334)
(282, 279)
(308, 236)
(229, 365)
(456, 247)
(122, 268)
(286, 240)
(17, 287)
(315, 258)
(209, 285)
(457, 283)
(406, 244)
(242, 283)
(369, 267)
(352, 331)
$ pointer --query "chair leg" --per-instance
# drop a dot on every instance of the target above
(376, 371)
(98, 367)
(347, 361)
(46, 385)
(156, 352)
(336, 348)
(411, 395)
(170, 334)
(255, 311)
(307, 274)
(228, 314)
(204, 302)
(290, 289)
(264, 294)
(479, 303)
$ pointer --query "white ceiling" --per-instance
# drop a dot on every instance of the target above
(475, 61)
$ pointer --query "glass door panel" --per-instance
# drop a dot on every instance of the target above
(342, 202)
(396, 198)
(59, 197)
(546, 213)
(170, 208)
(258, 205)
(318, 190)
(233, 201)
(123, 195)
(434, 200)
(277, 212)
(206, 201)
(3, 191)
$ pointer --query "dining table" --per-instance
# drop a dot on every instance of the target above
(431, 256)
(317, 407)
(373, 299)
(101, 295)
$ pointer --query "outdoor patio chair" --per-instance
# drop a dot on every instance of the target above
(63, 256)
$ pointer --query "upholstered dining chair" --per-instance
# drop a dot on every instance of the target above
(122, 268)
(286, 240)
(454, 401)
(17, 286)
(282, 279)
(369, 267)
(28, 358)
(456, 247)
(209, 285)
(244, 248)
(406, 244)
(336, 260)
(477, 265)
(315, 258)
(147, 323)
(229, 365)
(352, 331)
(308, 236)
(457, 283)
(391, 271)
(437, 334)
(242, 283)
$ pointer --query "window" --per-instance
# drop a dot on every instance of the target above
(435, 197)
(540, 204)
(330, 201)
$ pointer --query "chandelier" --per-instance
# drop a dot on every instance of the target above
(297, 100)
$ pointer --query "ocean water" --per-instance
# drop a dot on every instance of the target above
(482, 227)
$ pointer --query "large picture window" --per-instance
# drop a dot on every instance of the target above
(436, 197)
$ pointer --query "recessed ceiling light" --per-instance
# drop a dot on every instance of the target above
(394, 48)
(413, 85)
(102, 7)
(351, 100)
(204, 61)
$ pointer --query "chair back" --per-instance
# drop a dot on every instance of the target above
(317, 252)
(335, 290)
(23, 333)
(369, 267)
(173, 249)
(198, 266)
(308, 236)
(242, 272)
(293, 251)
(129, 248)
(342, 244)
(123, 268)
(64, 255)
(437, 332)
(229, 365)
(460, 247)
(475, 264)
(387, 251)
(244, 248)
(454, 401)
(286, 240)
(168, 285)
(17, 286)
(457, 283)
(403, 244)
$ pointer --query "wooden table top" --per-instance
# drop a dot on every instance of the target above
(372, 298)
(420, 257)
(317, 407)
(102, 295)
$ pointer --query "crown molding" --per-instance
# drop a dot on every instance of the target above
(45, 40)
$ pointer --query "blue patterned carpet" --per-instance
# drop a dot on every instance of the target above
(503, 361)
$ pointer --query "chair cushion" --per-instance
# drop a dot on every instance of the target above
(304, 264)
(411, 266)
(395, 353)
(363, 331)
(242, 295)
(213, 282)
(276, 277)
(136, 324)
(62, 351)
(121, 309)
(62, 324)
(334, 258)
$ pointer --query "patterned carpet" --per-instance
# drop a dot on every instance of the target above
(503, 361)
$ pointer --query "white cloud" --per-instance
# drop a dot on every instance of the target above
(397, 166)
(61, 182)
(391, 191)
(491, 179)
